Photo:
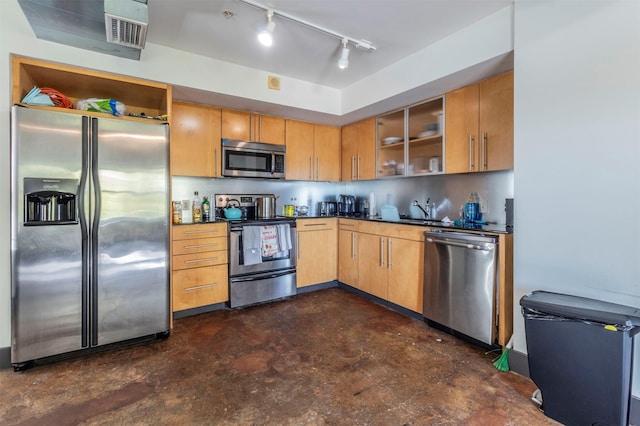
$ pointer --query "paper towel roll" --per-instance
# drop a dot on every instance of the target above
(372, 204)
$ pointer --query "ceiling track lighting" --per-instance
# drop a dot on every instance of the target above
(343, 62)
(267, 34)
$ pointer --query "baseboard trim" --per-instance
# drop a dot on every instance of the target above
(5, 357)
(519, 363)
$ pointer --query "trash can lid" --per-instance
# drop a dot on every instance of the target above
(581, 308)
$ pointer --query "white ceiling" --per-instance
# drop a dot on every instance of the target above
(397, 28)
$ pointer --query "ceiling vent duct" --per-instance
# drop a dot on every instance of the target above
(126, 22)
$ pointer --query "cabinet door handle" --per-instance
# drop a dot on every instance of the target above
(381, 252)
(310, 168)
(317, 169)
(198, 287)
(208, 259)
(471, 151)
(201, 245)
(484, 151)
(353, 245)
(202, 232)
(298, 245)
(358, 175)
(389, 253)
(215, 164)
(353, 167)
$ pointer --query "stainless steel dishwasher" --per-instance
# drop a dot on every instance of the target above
(460, 283)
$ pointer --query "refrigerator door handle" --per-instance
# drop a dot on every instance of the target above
(83, 215)
(94, 230)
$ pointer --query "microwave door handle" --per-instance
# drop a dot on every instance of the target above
(273, 163)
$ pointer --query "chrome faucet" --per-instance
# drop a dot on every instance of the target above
(426, 214)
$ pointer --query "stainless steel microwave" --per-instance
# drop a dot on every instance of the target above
(252, 159)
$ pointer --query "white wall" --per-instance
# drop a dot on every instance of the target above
(577, 152)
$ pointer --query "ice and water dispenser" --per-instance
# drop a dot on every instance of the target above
(50, 201)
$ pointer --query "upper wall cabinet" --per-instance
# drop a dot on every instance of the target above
(195, 140)
(267, 129)
(479, 126)
(358, 151)
(410, 141)
(246, 126)
(313, 151)
(140, 97)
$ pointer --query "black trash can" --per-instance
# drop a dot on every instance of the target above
(580, 356)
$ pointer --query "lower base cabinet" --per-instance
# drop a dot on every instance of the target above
(200, 287)
(348, 256)
(317, 251)
(384, 260)
(199, 265)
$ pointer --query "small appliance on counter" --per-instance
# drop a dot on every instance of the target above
(327, 208)
(346, 205)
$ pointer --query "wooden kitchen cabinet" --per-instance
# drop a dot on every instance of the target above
(479, 126)
(236, 125)
(195, 140)
(348, 252)
(317, 251)
(199, 265)
(267, 129)
(358, 150)
(252, 127)
(153, 99)
(313, 151)
(390, 263)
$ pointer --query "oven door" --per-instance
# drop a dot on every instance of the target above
(282, 260)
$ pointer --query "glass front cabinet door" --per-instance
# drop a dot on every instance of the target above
(411, 140)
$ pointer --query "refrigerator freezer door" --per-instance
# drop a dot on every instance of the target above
(130, 286)
(46, 261)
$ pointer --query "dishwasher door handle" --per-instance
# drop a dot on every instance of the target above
(460, 244)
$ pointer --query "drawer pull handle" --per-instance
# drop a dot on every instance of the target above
(201, 245)
(201, 260)
(207, 231)
(314, 224)
(198, 287)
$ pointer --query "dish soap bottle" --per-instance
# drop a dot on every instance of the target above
(196, 208)
(206, 209)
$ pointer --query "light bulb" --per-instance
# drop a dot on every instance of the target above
(266, 36)
(343, 62)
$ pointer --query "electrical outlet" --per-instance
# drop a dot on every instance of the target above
(484, 207)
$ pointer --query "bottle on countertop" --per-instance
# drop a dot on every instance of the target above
(196, 208)
(206, 209)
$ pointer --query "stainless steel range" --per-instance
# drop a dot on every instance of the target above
(262, 252)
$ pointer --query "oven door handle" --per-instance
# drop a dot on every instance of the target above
(262, 277)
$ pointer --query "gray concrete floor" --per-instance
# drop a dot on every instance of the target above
(328, 357)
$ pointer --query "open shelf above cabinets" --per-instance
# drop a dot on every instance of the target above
(142, 98)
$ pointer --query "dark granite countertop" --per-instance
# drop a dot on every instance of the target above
(488, 227)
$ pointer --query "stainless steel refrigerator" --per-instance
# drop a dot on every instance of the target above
(89, 232)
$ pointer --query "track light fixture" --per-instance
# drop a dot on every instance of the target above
(343, 62)
(266, 36)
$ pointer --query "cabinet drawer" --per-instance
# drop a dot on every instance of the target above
(406, 232)
(200, 287)
(199, 245)
(315, 224)
(205, 230)
(197, 260)
(368, 227)
(349, 224)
